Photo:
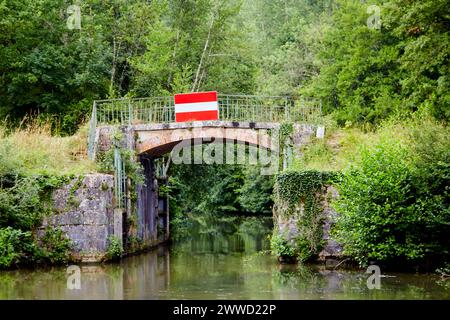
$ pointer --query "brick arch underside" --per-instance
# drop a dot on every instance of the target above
(158, 143)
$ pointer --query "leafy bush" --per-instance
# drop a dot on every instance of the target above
(24, 201)
(281, 247)
(394, 201)
(21, 204)
(115, 248)
(20, 247)
(306, 249)
(15, 247)
(55, 246)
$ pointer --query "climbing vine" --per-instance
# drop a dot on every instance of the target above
(299, 195)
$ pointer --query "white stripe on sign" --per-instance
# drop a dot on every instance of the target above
(197, 106)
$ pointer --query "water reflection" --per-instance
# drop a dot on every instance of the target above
(137, 277)
(215, 265)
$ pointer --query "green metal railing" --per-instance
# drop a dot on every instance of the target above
(120, 180)
(231, 108)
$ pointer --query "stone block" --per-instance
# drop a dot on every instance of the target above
(84, 214)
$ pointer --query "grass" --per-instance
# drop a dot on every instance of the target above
(342, 147)
(31, 149)
(337, 150)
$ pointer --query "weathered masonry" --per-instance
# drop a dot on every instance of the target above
(83, 210)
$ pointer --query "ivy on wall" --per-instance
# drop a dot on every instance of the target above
(299, 196)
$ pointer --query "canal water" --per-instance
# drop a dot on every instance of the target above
(215, 259)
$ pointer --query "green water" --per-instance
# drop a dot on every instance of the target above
(220, 260)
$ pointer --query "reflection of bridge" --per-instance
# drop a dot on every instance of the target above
(147, 127)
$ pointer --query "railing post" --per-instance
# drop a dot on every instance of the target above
(120, 181)
(320, 111)
(228, 109)
(92, 132)
(287, 116)
(130, 113)
(117, 176)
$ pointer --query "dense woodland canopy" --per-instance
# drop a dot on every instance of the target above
(145, 48)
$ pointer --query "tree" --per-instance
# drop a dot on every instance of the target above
(47, 68)
(423, 28)
(194, 46)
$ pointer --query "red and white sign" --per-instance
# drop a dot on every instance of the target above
(197, 106)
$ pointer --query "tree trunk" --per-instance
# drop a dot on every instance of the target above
(200, 65)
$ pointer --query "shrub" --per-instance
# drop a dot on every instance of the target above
(255, 193)
(24, 201)
(115, 248)
(281, 247)
(394, 201)
(16, 247)
(55, 246)
(21, 204)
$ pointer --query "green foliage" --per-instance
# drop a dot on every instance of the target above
(394, 201)
(368, 74)
(281, 247)
(255, 193)
(163, 190)
(24, 201)
(55, 247)
(22, 204)
(285, 34)
(222, 189)
(296, 186)
(16, 247)
(299, 195)
(49, 76)
(189, 53)
(133, 168)
(115, 248)
(423, 30)
(283, 47)
(286, 130)
(138, 48)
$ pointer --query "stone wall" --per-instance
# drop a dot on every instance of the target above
(83, 209)
(331, 249)
(288, 227)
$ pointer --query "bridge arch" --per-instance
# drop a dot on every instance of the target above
(159, 141)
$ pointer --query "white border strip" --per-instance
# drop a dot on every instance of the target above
(197, 106)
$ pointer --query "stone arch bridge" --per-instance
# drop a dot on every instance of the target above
(147, 127)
